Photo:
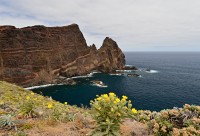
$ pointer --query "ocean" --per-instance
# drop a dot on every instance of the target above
(173, 81)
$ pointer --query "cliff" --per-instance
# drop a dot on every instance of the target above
(36, 55)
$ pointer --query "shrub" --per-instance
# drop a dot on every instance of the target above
(7, 121)
(56, 111)
(27, 108)
(143, 116)
(108, 111)
(20, 133)
(178, 121)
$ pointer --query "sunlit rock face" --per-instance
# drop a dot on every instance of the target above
(36, 55)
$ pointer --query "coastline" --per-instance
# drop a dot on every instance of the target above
(41, 86)
(75, 77)
(83, 76)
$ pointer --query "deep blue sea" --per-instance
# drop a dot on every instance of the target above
(174, 81)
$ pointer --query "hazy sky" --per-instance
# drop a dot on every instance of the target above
(136, 25)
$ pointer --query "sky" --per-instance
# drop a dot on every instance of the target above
(136, 25)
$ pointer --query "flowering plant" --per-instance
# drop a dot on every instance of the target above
(108, 111)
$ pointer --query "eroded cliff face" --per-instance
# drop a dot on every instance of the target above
(38, 54)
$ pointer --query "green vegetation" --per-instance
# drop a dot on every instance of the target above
(173, 122)
(108, 111)
(184, 121)
(6, 121)
(26, 104)
(23, 112)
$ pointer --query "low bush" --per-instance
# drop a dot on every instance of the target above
(173, 122)
(108, 110)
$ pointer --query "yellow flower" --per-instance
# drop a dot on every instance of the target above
(50, 106)
(32, 93)
(112, 109)
(105, 96)
(134, 111)
(99, 108)
(28, 97)
(124, 97)
(112, 94)
(65, 103)
(99, 98)
(108, 99)
(117, 100)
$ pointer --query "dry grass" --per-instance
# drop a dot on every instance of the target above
(58, 129)
(134, 128)
(81, 124)
(80, 127)
(78, 121)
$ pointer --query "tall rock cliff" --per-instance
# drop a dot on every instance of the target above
(38, 54)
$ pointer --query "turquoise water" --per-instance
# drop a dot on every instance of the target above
(173, 81)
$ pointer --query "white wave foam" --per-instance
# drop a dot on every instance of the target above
(141, 69)
(115, 74)
(41, 86)
(103, 86)
(152, 71)
(129, 65)
(88, 75)
(125, 71)
(94, 72)
(80, 77)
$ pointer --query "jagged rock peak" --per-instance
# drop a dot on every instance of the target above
(93, 47)
(109, 42)
(38, 54)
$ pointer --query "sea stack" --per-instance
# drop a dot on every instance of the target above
(38, 54)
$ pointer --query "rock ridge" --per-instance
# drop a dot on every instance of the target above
(38, 54)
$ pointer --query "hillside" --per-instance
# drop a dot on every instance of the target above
(42, 116)
(23, 112)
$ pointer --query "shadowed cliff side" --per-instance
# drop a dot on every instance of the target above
(36, 55)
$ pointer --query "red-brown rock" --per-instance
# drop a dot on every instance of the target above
(36, 55)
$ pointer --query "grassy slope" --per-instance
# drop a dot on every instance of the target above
(42, 122)
(42, 116)
(75, 121)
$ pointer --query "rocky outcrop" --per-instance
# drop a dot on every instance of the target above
(38, 54)
(130, 68)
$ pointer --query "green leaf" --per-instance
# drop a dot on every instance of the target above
(116, 133)
(99, 133)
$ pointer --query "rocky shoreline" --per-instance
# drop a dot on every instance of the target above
(39, 55)
(61, 80)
